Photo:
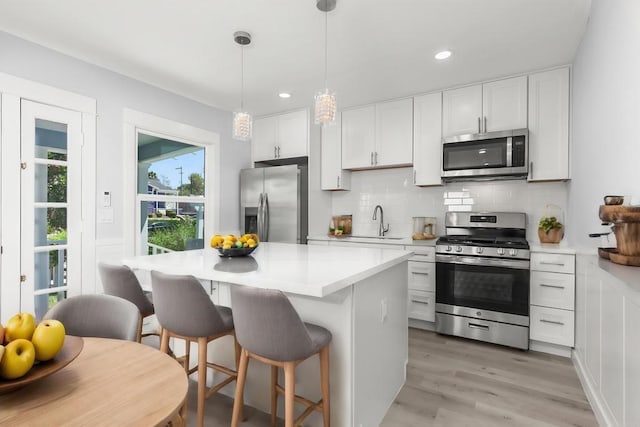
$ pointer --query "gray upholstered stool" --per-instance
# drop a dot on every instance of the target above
(269, 330)
(103, 316)
(120, 281)
(185, 311)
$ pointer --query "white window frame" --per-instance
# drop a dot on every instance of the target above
(138, 122)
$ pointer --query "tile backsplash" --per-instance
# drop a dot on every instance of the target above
(393, 189)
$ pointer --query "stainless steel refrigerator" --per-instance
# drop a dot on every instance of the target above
(274, 203)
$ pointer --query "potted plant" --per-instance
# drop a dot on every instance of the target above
(550, 230)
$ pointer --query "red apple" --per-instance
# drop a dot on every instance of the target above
(18, 358)
(48, 339)
(21, 325)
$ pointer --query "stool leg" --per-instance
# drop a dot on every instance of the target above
(164, 341)
(238, 402)
(202, 378)
(289, 393)
(274, 395)
(139, 336)
(324, 383)
(238, 350)
(187, 354)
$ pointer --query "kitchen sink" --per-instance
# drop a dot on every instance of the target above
(377, 237)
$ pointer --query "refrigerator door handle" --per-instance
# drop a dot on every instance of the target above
(265, 216)
(259, 218)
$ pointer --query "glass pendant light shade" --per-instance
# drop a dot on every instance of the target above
(325, 107)
(242, 125)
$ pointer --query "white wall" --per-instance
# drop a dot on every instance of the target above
(606, 115)
(393, 189)
(114, 92)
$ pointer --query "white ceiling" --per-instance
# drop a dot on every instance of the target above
(377, 49)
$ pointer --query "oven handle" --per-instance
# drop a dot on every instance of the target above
(480, 261)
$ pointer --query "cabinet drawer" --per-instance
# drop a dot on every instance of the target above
(422, 305)
(555, 263)
(423, 253)
(553, 290)
(552, 325)
(422, 276)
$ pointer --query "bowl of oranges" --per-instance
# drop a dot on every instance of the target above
(232, 246)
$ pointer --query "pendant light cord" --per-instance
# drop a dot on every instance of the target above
(242, 78)
(325, 48)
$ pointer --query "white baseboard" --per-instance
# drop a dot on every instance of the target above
(600, 409)
(558, 350)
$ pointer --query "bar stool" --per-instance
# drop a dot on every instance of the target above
(270, 330)
(120, 281)
(185, 311)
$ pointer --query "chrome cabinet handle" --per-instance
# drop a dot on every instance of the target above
(560, 264)
(551, 321)
(372, 158)
(376, 157)
(414, 176)
(420, 301)
(338, 182)
(531, 170)
(275, 152)
(278, 151)
(485, 124)
(544, 285)
(478, 326)
(479, 125)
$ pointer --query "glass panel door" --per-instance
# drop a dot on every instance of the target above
(50, 208)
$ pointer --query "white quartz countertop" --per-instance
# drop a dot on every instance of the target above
(309, 270)
(403, 241)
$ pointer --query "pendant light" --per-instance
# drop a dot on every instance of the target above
(242, 120)
(325, 100)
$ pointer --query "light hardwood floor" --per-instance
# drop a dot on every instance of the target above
(457, 382)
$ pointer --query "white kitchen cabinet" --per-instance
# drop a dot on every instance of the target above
(632, 362)
(549, 125)
(422, 305)
(422, 276)
(422, 286)
(427, 139)
(379, 135)
(281, 136)
(489, 107)
(612, 350)
(333, 177)
(394, 133)
(552, 299)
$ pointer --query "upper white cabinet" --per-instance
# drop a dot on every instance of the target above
(281, 136)
(549, 125)
(333, 177)
(427, 139)
(489, 107)
(379, 135)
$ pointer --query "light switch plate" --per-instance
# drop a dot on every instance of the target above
(106, 199)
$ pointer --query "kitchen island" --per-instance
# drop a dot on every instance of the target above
(359, 294)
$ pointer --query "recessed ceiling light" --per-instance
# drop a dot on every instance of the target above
(443, 55)
(284, 95)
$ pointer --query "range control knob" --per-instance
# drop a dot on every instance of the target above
(478, 250)
(458, 248)
(513, 252)
(448, 249)
(500, 251)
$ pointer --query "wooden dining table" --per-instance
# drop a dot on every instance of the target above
(110, 383)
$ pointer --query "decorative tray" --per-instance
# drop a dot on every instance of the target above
(70, 350)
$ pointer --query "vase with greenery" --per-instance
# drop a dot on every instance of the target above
(550, 230)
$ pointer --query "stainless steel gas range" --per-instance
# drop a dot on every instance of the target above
(482, 278)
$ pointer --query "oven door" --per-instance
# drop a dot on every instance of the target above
(486, 284)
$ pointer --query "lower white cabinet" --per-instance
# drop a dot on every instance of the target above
(422, 305)
(552, 298)
(422, 276)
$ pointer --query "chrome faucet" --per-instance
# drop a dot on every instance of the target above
(382, 228)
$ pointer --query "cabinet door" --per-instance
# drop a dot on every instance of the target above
(394, 133)
(422, 276)
(358, 137)
(293, 134)
(551, 325)
(333, 177)
(612, 357)
(427, 139)
(263, 142)
(504, 104)
(462, 111)
(632, 363)
(421, 305)
(549, 125)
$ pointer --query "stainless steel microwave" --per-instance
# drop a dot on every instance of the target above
(493, 155)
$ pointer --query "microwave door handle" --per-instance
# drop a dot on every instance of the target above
(509, 152)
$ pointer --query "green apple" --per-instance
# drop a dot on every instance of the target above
(21, 325)
(48, 339)
(18, 358)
